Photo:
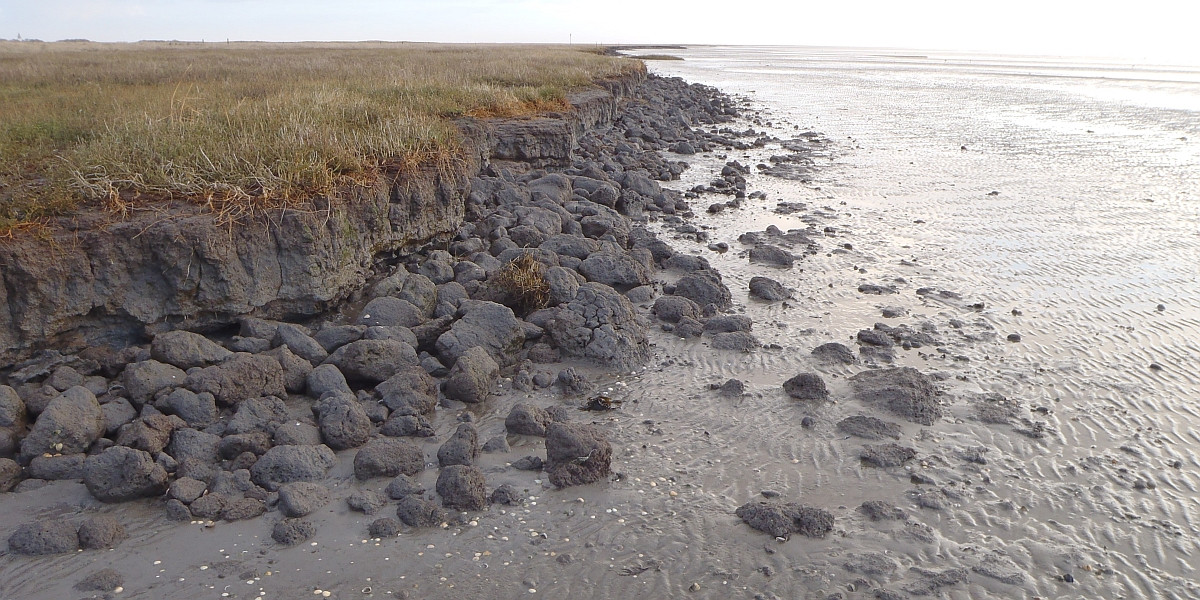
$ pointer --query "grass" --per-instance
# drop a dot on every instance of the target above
(523, 280)
(659, 57)
(126, 126)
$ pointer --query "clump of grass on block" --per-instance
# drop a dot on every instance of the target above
(523, 280)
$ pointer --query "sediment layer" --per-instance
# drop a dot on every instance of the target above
(89, 281)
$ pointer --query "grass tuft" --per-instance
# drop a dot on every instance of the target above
(244, 126)
(523, 279)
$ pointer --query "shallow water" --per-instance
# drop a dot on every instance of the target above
(1090, 231)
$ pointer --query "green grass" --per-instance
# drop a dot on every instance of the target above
(125, 126)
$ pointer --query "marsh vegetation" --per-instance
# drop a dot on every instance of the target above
(122, 126)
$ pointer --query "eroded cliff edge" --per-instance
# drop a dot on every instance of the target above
(88, 282)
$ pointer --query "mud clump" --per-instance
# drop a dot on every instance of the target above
(904, 391)
(806, 386)
(869, 428)
(783, 519)
(40, 538)
(576, 454)
(887, 455)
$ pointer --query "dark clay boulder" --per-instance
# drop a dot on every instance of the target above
(101, 532)
(104, 580)
(295, 369)
(728, 324)
(255, 442)
(771, 255)
(150, 433)
(56, 467)
(10, 474)
(242, 377)
(197, 410)
(373, 361)
(563, 283)
(410, 391)
(904, 391)
(737, 341)
(400, 425)
(527, 419)
(299, 343)
(615, 269)
(294, 433)
(806, 386)
(765, 288)
(602, 325)
(286, 464)
(326, 379)
(185, 350)
(366, 502)
(257, 414)
(570, 245)
(241, 509)
(121, 473)
(385, 527)
(416, 511)
(209, 506)
(301, 498)
(576, 454)
(783, 519)
(388, 457)
(12, 409)
(673, 308)
(344, 422)
(193, 444)
(507, 495)
(186, 489)
(688, 327)
(44, 537)
(834, 353)
(390, 312)
(68, 425)
(144, 379)
(118, 412)
(290, 532)
(488, 325)
(704, 287)
(401, 486)
(462, 487)
(335, 336)
(472, 376)
(461, 449)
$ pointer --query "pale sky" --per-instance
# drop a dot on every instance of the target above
(1158, 30)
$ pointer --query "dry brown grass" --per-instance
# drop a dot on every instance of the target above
(249, 124)
(523, 279)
